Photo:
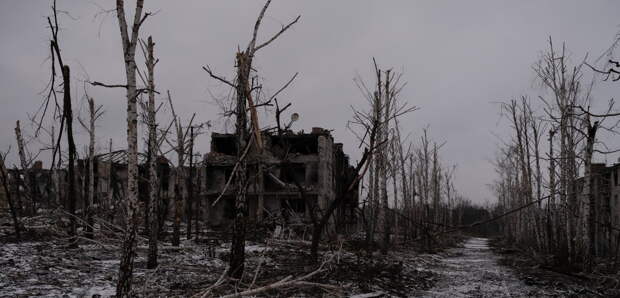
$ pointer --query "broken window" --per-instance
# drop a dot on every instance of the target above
(269, 183)
(293, 173)
(295, 205)
(224, 144)
(229, 207)
(302, 144)
(227, 173)
(210, 179)
(313, 173)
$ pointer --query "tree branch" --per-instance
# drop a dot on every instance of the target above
(276, 35)
(221, 79)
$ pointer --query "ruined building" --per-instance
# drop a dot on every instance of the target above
(302, 174)
(606, 191)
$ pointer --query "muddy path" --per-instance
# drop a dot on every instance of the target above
(473, 271)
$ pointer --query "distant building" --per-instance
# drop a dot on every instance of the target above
(606, 191)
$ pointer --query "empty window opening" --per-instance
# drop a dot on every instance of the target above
(229, 208)
(313, 173)
(297, 144)
(293, 173)
(295, 205)
(227, 173)
(224, 144)
(210, 181)
(270, 183)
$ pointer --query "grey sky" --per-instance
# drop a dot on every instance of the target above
(458, 58)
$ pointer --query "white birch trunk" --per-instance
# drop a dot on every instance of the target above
(123, 288)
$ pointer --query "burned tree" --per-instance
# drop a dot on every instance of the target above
(244, 140)
(66, 119)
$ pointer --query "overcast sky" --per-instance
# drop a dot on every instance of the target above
(458, 58)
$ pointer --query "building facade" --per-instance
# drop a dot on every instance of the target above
(293, 178)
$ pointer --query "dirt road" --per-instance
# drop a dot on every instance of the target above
(473, 271)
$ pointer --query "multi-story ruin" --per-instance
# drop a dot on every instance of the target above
(606, 191)
(301, 173)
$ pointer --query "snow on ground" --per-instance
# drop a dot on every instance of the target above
(51, 269)
(473, 271)
(47, 267)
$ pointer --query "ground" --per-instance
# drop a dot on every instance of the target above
(473, 271)
(43, 265)
(557, 280)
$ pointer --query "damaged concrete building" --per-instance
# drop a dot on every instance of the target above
(302, 173)
(605, 183)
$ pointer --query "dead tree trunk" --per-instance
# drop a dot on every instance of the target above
(384, 163)
(190, 184)
(67, 119)
(237, 250)
(405, 188)
(243, 88)
(376, 135)
(179, 148)
(110, 199)
(551, 216)
(13, 209)
(153, 181)
(123, 287)
(25, 164)
(394, 174)
(94, 114)
(539, 212)
(376, 164)
(589, 199)
(412, 201)
(68, 115)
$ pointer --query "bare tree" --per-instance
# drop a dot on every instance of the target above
(571, 226)
(66, 119)
(243, 88)
(94, 114)
(375, 136)
(25, 164)
(152, 142)
(387, 102)
(129, 42)
(180, 149)
(5, 185)
(564, 83)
